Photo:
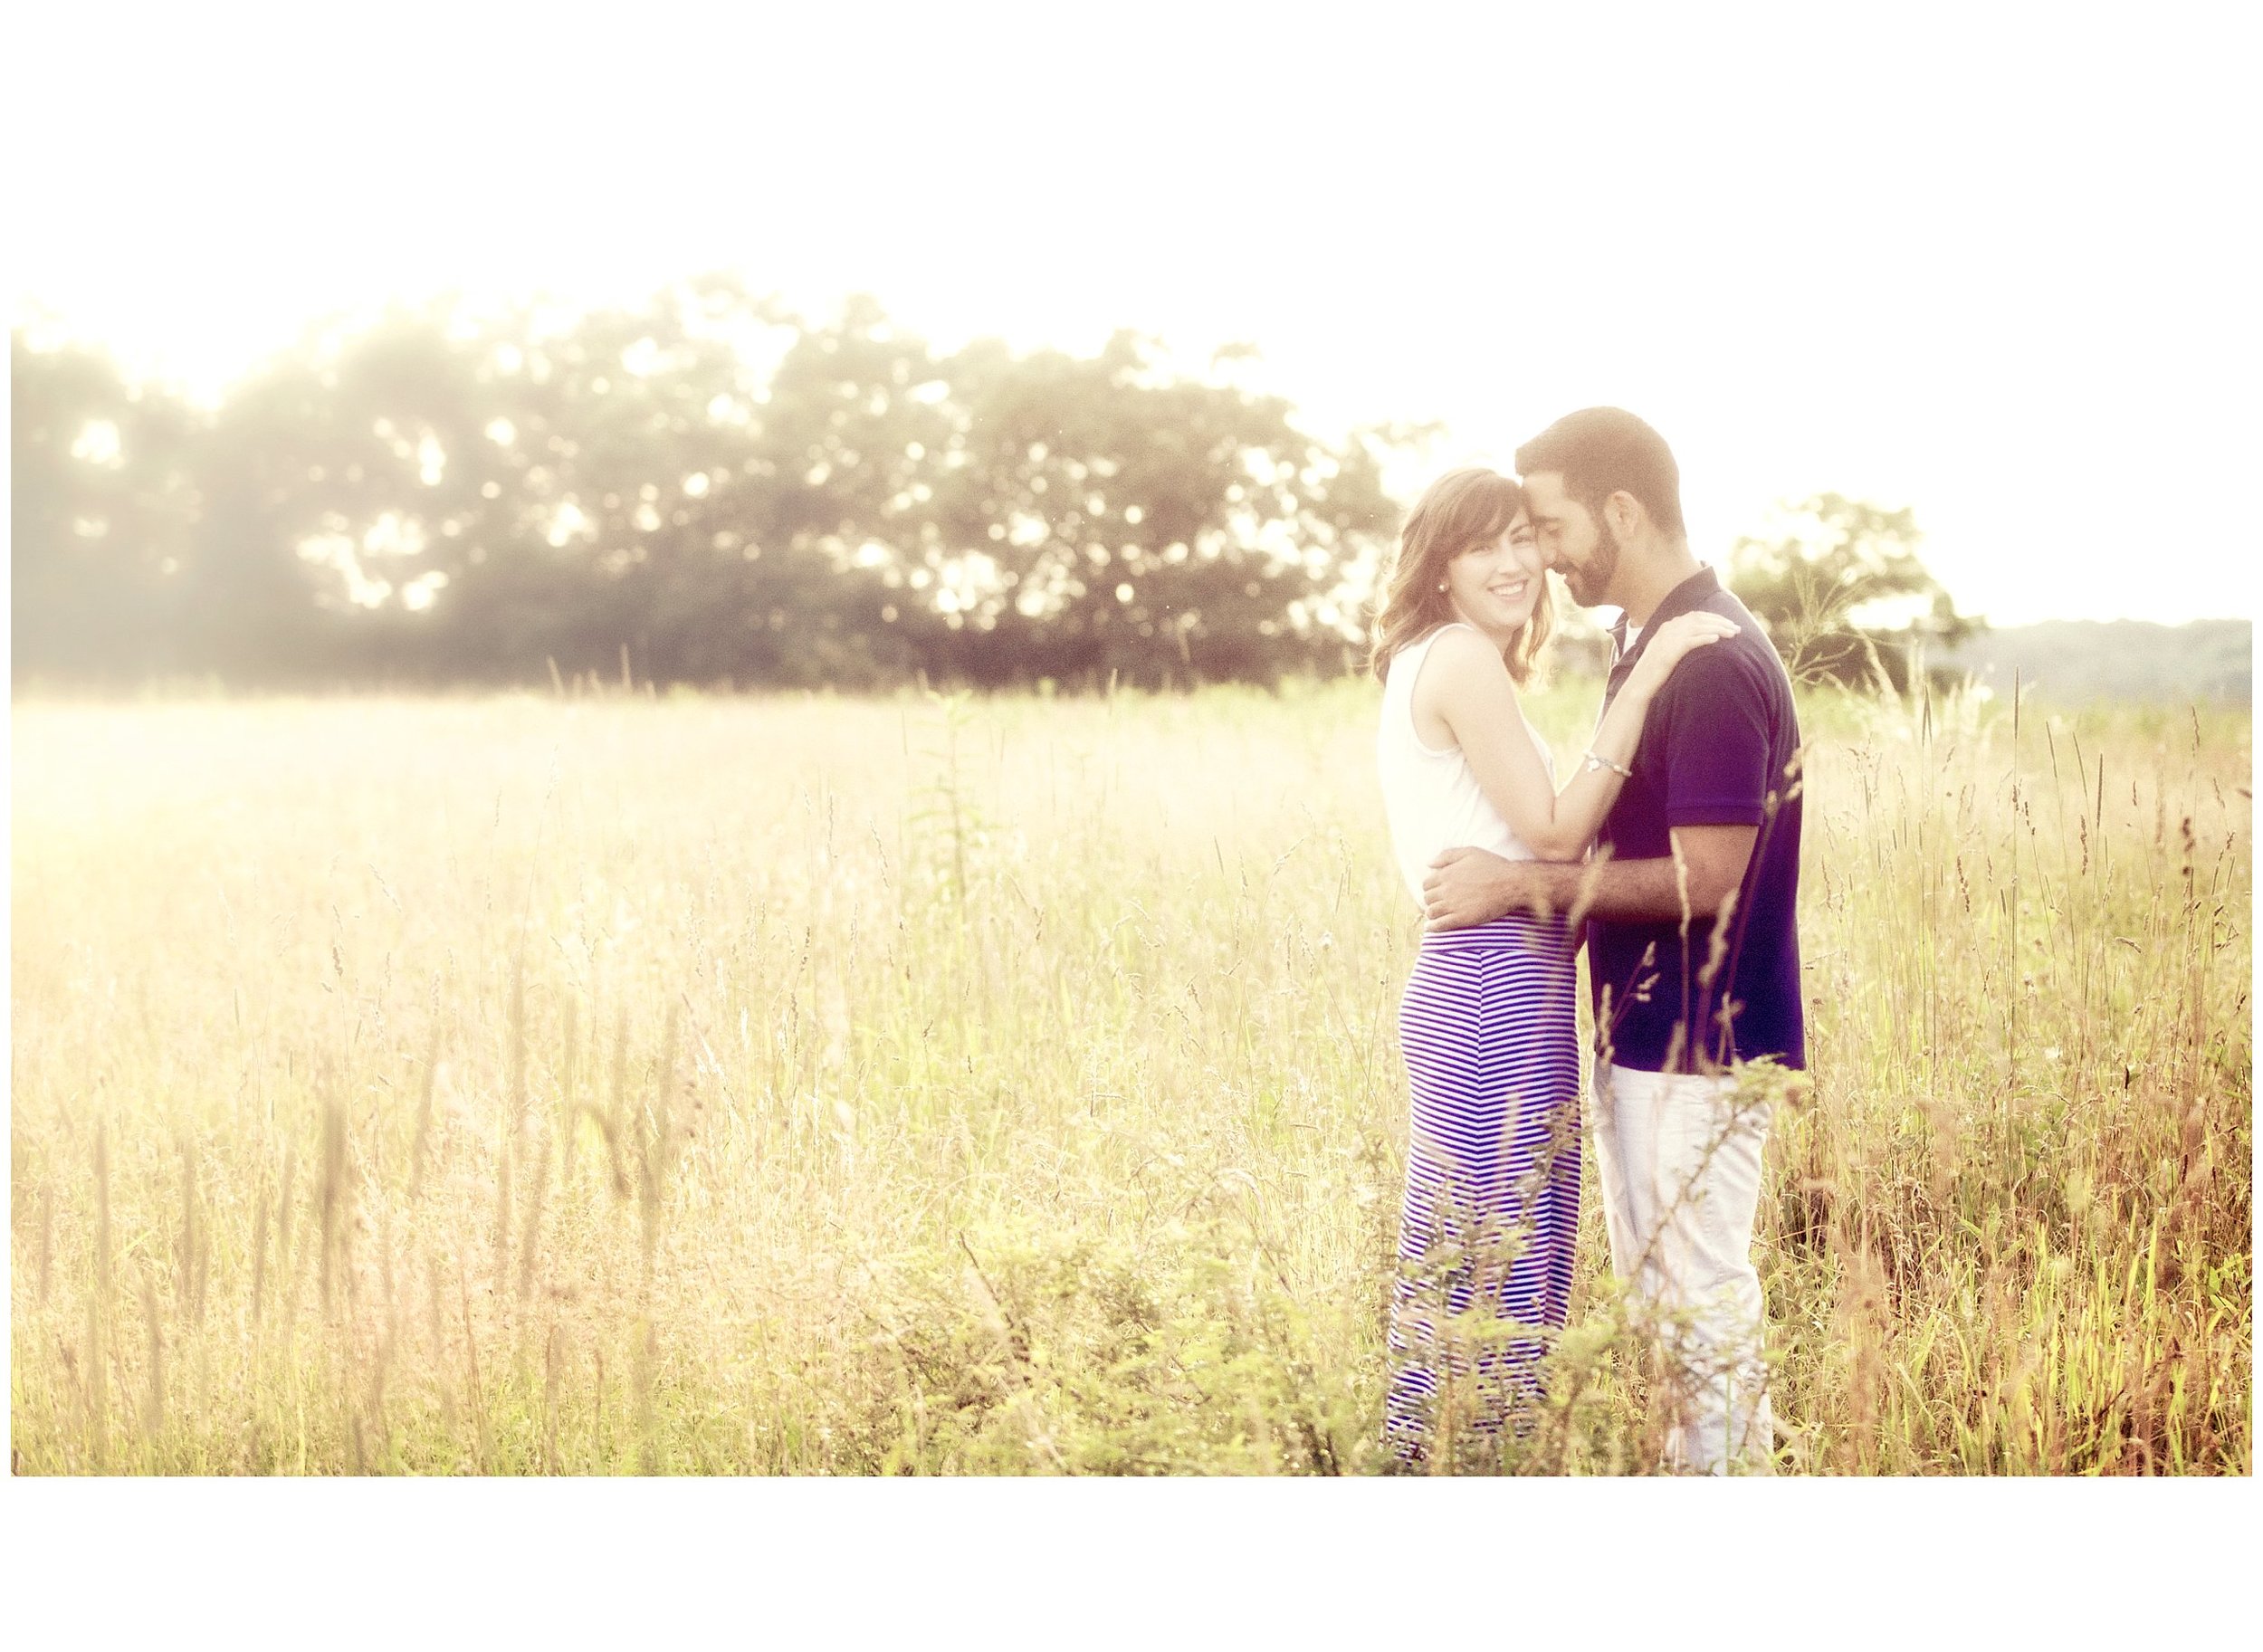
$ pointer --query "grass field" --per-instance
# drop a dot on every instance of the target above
(813, 1085)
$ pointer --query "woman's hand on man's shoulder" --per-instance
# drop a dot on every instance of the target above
(1675, 640)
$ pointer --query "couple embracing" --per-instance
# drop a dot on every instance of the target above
(1674, 846)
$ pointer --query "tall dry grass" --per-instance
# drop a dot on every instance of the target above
(812, 1086)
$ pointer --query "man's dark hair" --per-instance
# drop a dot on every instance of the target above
(1602, 450)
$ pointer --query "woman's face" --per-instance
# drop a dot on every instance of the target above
(1494, 586)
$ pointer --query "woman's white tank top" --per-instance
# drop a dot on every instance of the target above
(1431, 797)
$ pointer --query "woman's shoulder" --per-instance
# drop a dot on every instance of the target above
(1455, 636)
(1415, 649)
(1462, 648)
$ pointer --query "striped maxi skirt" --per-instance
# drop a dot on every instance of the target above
(1492, 1167)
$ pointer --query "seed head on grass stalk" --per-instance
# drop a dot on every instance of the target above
(568, 1102)
(506, 1150)
(98, 1302)
(421, 1144)
(333, 1193)
(535, 1191)
(657, 1145)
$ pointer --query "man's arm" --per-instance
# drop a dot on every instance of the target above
(1469, 886)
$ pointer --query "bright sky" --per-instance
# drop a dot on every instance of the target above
(1995, 264)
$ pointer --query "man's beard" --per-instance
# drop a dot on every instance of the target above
(1589, 581)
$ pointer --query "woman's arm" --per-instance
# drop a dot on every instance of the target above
(1465, 683)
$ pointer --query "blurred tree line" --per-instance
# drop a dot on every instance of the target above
(710, 489)
(706, 487)
(1840, 589)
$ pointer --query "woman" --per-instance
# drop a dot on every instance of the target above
(1486, 1023)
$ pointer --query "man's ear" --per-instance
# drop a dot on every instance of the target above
(1625, 515)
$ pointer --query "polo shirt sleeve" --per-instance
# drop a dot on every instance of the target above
(1713, 719)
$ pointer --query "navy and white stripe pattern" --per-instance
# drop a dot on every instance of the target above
(1493, 1164)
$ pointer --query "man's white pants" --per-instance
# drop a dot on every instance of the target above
(1679, 1159)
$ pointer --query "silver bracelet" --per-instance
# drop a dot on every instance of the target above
(1595, 762)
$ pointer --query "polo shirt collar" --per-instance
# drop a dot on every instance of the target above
(1691, 594)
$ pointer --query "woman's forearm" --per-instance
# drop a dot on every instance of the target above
(1580, 808)
(1588, 796)
(1620, 731)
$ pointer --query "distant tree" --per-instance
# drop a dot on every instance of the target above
(833, 500)
(1104, 517)
(333, 483)
(1843, 593)
(629, 515)
(102, 494)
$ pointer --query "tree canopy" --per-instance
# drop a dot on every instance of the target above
(1843, 593)
(725, 490)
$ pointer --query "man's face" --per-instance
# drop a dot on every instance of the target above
(1585, 552)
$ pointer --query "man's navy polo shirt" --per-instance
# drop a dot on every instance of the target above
(1719, 747)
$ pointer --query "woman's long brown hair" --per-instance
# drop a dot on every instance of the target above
(1460, 511)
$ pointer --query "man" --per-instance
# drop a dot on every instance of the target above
(1693, 950)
